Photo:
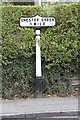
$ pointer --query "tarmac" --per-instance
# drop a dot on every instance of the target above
(40, 107)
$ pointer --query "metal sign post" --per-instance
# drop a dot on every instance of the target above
(37, 22)
(38, 65)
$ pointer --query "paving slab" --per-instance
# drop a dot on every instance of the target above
(45, 107)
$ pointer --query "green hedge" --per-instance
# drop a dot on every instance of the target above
(59, 49)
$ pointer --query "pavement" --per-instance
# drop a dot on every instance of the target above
(40, 107)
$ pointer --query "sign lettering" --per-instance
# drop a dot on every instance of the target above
(37, 21)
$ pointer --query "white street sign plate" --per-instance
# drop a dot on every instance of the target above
(37, 21)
